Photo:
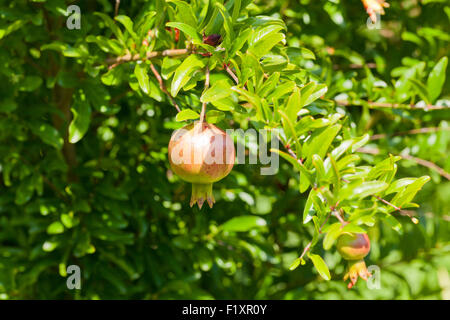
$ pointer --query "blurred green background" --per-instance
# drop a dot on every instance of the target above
(110, 204)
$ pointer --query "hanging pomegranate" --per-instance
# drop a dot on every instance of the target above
(354, 247)
(201, 153)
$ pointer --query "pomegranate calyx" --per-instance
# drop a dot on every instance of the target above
(200, 193)
(356, 268)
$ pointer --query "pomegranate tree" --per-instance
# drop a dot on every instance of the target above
(201, 153)
(353, 247)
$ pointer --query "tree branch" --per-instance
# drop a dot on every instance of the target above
(413, 131)
(389, 105)
(151, 54)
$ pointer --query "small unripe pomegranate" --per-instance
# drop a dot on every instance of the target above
(353, 246)
(201, 153)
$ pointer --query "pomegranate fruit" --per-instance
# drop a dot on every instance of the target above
(201, 153)
(354, 247)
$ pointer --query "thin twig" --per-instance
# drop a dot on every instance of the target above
(162, 86)
(388, 203)
(231, 73)
(370, 65)
(202, 114)
(427, 164)
(389, 105)
(308, 246)
(410, 214)
(419, 161)
(338, 216)
(151, 54)
(116, 10)
(413, 131)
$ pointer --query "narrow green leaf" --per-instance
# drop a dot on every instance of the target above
(243, 223)
(81, 119)
(436, 79)
(421, 90)
(320, 266)
(184, 72)
(407, 194)
(293, 105)
(186, 29)
(219, 90)
(128, 24)
(318, 91)
(48, 134)
(362, 190)
(214, 116)
(140, 71)
(320, 141)
(186, 114)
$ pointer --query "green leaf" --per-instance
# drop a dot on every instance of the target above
(81, 119)
(214, 116)
(320, 141)
(421, 90)
(128, 24)
(436, 79)
(219, 90)
(112, 26)
(239, 42)
(113, 77)
(312, 95)
(332, 233)
(30, 83)
(309, 211)
(243, 223)
(294, 265)
(264, 45)
(24, 192)
(361, 190)
(293, 105)
(169, 66)
(186, 29)
(300, 167)
(8, 105)
(140, 71)
(48, 134)
(320, 266)
(318, 164)
(187, 114)
(227, 25)
(407, 194)
(184, 72)
(55, 228)
(399, 185)
(185, 13)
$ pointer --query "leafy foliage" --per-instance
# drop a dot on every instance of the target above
(86, 115)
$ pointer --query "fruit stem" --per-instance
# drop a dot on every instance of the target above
(202, 114)
(200, 193)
